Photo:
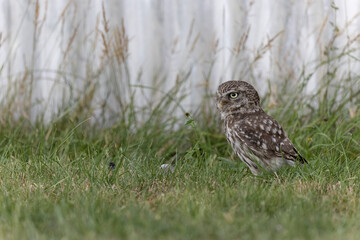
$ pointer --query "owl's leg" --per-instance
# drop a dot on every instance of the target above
(290, 162)
(255, 171)
(248, 160)
(254, 168)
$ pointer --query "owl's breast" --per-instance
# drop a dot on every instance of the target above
(234, 139)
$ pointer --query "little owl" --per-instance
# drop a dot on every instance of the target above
(255, 137)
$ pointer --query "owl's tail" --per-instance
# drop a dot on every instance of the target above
(299, 158)
(302, 159)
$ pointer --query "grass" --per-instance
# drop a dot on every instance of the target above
(56, 182)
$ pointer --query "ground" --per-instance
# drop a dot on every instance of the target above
(56, 182)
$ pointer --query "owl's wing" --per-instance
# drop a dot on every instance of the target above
(265, 136)
(288, 151)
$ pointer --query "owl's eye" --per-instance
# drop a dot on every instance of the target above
(233, 95)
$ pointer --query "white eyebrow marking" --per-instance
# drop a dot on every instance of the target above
(230, 91)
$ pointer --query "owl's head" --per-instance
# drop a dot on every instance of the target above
(237, 97)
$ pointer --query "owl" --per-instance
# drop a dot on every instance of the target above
(257, 139)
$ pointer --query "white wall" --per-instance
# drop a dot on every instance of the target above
(168, 38)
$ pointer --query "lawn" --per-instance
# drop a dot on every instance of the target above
(58, 180)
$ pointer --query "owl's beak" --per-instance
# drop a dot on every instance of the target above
(220, 104)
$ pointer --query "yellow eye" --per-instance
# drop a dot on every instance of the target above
(233, 95)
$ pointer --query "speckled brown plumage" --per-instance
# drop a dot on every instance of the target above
(254, 136)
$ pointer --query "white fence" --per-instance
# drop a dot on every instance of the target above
(212, 41)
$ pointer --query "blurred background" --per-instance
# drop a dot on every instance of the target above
(101, 58)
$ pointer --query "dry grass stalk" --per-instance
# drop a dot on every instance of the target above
(120, 44)
(266, 47)
(104, 33)
(71, 40)
(241, 44)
